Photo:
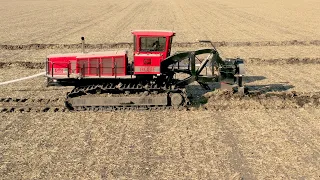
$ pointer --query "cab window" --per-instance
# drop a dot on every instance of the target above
(152, 43)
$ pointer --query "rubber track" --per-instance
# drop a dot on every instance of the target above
(175, 44)
(79, 91)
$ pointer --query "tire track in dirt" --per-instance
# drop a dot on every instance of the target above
(237, 160)
(185, 25)
(241, 19)
(275, 150)
(150, 159)
(25, 21)
(174, 44)
(107, 16)
(125, 21)
(297, 133)
(299, 137)
(244, 23)
(188, 15)
(62, 32)
(66, 30)
(23, 16)
(219, 18)
(22, 105)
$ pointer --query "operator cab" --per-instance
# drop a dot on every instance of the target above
(150, 48)
(153, 42)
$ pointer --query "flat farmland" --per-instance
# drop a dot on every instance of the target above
(260, 144)
(58, 21)
(255, 137)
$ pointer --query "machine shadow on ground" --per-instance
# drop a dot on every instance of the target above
(196, 92)
(269, 88)
(249, 79)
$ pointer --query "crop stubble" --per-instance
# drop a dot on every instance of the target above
(25, 22)
(233, 138)
(147, 145)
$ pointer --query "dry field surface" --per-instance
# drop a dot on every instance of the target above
(229, 137)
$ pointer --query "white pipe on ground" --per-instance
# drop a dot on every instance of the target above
(21, 79)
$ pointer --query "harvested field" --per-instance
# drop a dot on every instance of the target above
(29, 22)
(270, 144)
(273, 133)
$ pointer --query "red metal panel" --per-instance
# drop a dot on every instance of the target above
(60, 64)
(120, 66)
(147, 64)
(106, 66)
(94, 66)
(153, 33)
(113, 63)
(83, 66)
(101, 64)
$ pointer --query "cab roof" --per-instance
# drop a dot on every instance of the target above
(153, 33)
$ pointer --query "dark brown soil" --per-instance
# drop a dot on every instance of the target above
(291, 60)
(28, 65)
(257, 100)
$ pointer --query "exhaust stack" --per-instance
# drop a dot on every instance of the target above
(82, 45)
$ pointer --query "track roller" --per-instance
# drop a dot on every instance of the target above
(176, 99)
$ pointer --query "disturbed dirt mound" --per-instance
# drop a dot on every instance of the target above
(28, 65)
(175, 44)
(291, 60)
(221, 100)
